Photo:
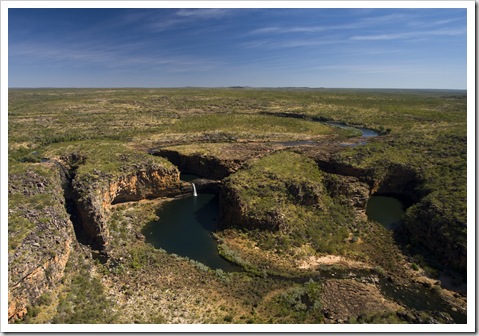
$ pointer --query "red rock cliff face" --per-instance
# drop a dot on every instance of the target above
(202, 165)
(95, 198)
(36, 263)
(148, 182)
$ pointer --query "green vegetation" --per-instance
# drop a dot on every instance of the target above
(107, 157)
(432, 142)
(34, 194)
(290, 215)
(252, 126)
(38, 117)
(83, 300)
(284, 193)
(299, 304)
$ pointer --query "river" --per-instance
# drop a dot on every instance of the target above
(385, 210)
(185, 228)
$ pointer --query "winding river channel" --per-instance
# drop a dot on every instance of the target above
(185, 228)
(186, 225)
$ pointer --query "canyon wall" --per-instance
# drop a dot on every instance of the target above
(95, 197)
(202, 165)
(41, 233)
(40, 236)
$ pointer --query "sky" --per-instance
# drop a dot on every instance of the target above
(314, 47)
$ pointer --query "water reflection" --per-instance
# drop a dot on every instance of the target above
(385, 210)
(185, 228)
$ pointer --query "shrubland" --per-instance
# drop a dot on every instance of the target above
(289, 212)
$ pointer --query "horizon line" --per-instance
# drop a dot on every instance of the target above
(233, 87)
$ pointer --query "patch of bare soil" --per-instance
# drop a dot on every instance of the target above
(347, 298)
(313, 262)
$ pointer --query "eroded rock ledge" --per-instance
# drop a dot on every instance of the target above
(213, 161)
(37, 262)
(95, 193)
(41, 195)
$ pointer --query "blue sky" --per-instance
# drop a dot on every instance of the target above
(346, 47)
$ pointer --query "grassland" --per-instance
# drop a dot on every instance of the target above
(424, 131)
(292, 187)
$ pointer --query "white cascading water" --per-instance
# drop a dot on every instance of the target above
(194, 190)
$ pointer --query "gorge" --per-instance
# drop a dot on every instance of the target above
(268, 229)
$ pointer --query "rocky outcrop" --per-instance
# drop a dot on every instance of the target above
(207, 186)
(269, 194)
(96, 195)
(207, 166)
(429, 224)
(234, 212)
(384, 178)
(399, 181)
(231, 208)
(213, 161)
(147, 182)
(41, 232)
(40, 243)
(349, 189)
(304, 193)
(346, 299)
(346, 180)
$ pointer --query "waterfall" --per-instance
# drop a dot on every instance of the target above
(194, 190)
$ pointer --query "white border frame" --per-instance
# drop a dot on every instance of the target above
(471, 90)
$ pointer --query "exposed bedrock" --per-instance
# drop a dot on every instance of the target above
(146, 183)
(399, 181)
(351, 185)
(202, 165)
(37, 262)
(393, 179)
(271, 192)
(207, 186)
(304, 193)
(382, 178)
(349, 189)
(95, 197)
(213, 161)
(354, 183)
(428, 226)
(234, 212)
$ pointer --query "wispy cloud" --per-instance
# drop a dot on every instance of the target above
(183, 18)
(285, 30)
(362, 23)
(379, 22)
(409, 35)
(278, 47)
(207, 13)
(375, 69)
(291, 43)
(382, 37)
(107, 56)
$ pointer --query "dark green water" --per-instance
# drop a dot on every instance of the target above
(384, 210)
(185, 228)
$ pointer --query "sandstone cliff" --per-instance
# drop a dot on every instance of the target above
(41, 232)
(98, 191)
(40, 235)
(348, 189)
(215, 160)
(201, 165)
(281, 192)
